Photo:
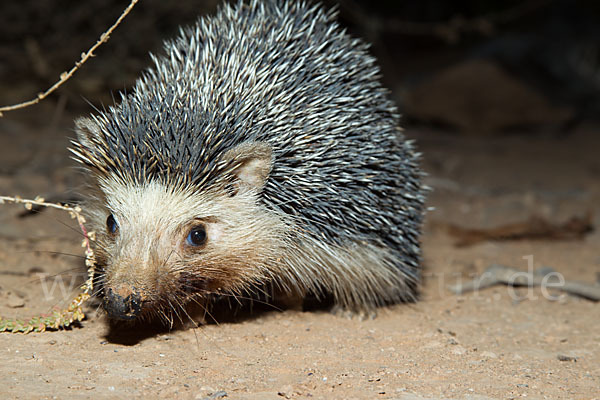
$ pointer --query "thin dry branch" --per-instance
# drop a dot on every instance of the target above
(57, 318)
(65, 76)
(450, 30)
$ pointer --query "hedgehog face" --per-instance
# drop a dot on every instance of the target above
(184, 207)
(160, 248)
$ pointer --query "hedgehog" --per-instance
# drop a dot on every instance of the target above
(260, 157)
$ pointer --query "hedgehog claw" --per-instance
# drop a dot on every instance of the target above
(359, 314)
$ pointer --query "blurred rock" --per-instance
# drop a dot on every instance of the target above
(478, 97)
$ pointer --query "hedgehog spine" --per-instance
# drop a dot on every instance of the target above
(265, 131)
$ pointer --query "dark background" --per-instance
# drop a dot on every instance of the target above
(545, 55)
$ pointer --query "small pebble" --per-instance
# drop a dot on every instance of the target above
(488, 354)
(213, 396)
(562, 357)
(15, 301)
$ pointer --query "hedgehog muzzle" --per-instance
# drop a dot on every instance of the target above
(122, 307)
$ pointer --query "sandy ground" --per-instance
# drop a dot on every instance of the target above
(499, 343)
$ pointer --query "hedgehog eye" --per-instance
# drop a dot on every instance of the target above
(197, 236)
(111, 224)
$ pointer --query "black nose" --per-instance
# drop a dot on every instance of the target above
(119, 307)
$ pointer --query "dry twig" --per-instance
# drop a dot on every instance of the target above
(500, 274)
(535, 228)
(65, 76)
(450, 31)
(58, 318)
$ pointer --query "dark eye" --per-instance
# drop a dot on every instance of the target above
(111, 224)
(197, 236)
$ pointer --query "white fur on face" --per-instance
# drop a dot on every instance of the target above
(150, 251)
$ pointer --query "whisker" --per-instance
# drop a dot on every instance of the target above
(182, 307)
(205, 310)
(238, 298)
(60, 253)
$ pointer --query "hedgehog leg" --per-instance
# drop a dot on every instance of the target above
(359, 276)
(362, 315)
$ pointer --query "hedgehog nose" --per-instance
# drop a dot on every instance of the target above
(124, 305)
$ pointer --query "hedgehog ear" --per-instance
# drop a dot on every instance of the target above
(254, 162)
(86, 131)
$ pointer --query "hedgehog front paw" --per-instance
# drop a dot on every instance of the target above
(349, 313)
